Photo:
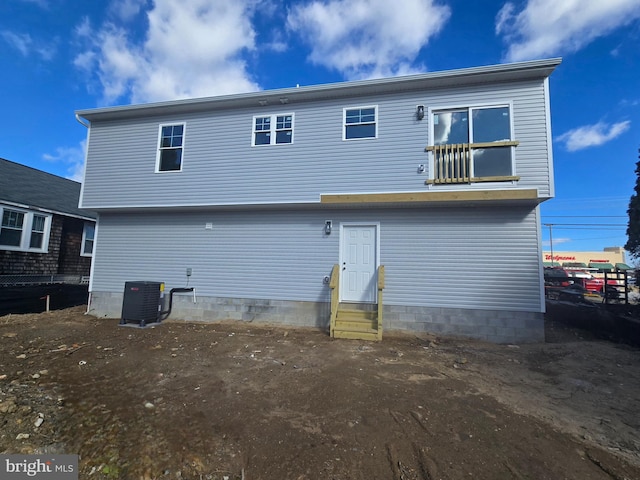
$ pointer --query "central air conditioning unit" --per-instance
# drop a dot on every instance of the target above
(142, 303)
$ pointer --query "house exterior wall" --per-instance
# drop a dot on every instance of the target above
(445, 267)
(248, 221)
(62, 257)
(35, 263)
(71, 262)
(220, 167)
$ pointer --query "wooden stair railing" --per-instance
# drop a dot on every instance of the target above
(334, 283)
(380, 288)
(452, 162)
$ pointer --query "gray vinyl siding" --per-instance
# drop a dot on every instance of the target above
(220, 167)
(477, 258)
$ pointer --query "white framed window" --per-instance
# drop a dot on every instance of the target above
(24, 230)
(88, 239)
(272, 129)
(360, 122)
(170, 147)
(473, 144)
(37, 231)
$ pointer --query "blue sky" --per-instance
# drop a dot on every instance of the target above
(63, 55)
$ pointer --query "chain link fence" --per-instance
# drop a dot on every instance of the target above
(24, 280)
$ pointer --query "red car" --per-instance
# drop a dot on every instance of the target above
(588, 281)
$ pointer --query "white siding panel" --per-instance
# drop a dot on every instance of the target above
(221, 167)
(480, 258)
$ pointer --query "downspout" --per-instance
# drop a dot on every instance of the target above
(86, 125)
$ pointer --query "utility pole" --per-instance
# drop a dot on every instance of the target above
(550, 225)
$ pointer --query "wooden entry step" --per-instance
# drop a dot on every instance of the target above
(356, 323)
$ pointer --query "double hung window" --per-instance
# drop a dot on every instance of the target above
(473, 144)
(170, 148)
(24, 230)
(37, 231)
(272, 129)
(88, 237)
(360, 122)
(11, 228)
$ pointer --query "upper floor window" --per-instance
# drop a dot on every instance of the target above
(88, 237)
(472, 144)
(272, 129)
(360, 122)
(24, 230)
(170, 146)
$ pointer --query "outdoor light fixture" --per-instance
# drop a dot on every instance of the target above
(327, 227)
(420, 112)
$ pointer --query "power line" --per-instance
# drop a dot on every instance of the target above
(587, 224)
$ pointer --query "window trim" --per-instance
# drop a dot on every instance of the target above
(469, 108)
(344, 122)
(84, 239)
(273, 129)
(27, 228)
(159, 147)
(40, 232)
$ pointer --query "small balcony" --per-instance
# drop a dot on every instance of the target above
(454, 163)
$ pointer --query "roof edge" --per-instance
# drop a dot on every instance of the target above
(457, 77)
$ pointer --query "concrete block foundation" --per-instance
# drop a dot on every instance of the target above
(491, 325)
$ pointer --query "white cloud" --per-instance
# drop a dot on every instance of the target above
(368, 38)
(553, 27)
(592, 135)
(125, 10)
(40, 3)
(28, 46)
(557, 241)
(73, 158)
(192, 48)
(20, 41)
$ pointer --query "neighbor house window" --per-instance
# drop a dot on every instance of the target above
(88, 237)
(360, 122)
(24, 230)
(37, 231)
(11, 230)
(472, 144)
(272, 129)
(170, 148)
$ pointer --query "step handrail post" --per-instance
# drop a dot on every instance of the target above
(380, 307)
(333, 285)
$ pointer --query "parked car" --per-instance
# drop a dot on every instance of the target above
(588, 281)
(556, 277)
(573, 293)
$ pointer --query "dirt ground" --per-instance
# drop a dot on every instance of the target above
(253, 401)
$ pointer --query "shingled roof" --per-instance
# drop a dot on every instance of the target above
(35, 189)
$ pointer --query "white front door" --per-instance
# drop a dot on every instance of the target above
(359, 262)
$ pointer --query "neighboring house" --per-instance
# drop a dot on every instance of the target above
(42, 230)
(253, 198)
